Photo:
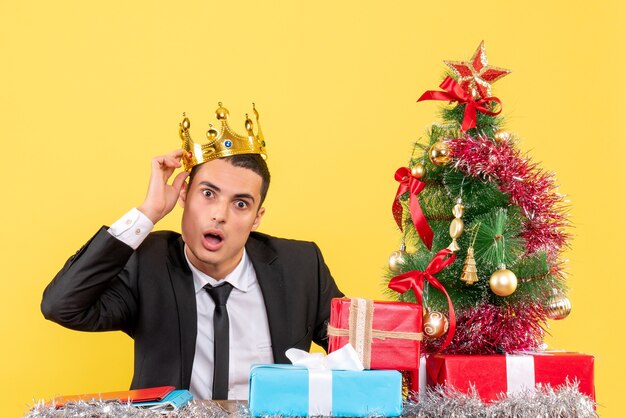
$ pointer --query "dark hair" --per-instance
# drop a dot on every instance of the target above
(252, 162)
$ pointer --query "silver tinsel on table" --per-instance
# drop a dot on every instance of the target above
(562, 402)
(98, 409)
(543, 402)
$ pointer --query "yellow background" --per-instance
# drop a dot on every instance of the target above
(90, 91)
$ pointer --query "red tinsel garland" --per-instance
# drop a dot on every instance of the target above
(528, 186)
(488, 329)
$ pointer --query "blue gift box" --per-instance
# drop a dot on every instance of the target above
(285, 390)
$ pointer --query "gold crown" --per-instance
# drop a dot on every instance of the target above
(224, 143)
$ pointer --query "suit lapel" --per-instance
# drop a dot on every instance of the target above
(269, 275)
(184, 292)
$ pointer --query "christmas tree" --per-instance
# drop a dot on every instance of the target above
(486, 219)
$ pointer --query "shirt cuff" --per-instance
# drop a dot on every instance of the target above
(132, 228)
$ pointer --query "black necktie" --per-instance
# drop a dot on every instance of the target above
(220, 294)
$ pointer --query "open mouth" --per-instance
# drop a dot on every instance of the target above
(213, 240)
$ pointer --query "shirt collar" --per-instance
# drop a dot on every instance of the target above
(241, 277)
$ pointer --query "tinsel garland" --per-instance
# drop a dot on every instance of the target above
(487, 329)
(564, 401)
(528, 186)
(98, 409)
(544, 401)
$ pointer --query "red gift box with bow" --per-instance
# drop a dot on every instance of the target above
(386, 335)
(494, 376)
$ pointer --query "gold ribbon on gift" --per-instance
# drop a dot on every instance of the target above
(360, 333)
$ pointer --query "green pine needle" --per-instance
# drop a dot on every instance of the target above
(488, 125)
(498, 241)
(478, 197)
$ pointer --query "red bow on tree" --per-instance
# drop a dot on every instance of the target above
(455, 93)
(413, 185)
(414, 280)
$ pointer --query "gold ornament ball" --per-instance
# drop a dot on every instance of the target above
(221, 113)
(501, 136)
(503, 282)
(435, 324)
(558, 306)
(439, 153)
(211, 134)
(396, 259)
(418, 171)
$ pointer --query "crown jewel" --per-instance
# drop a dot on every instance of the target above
(223, 142)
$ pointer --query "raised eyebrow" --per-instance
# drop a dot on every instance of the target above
(211, 185)
(237, 196)
(245, 196)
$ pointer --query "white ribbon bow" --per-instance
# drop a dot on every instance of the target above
(320, 374)
(346, 358)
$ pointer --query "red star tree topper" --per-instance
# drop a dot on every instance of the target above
(476, 76)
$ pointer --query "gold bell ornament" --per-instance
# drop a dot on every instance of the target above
(470, 272)
(397, 259)
(558, 305)
(439, 153)
(456, 226)
(435, 324)
(503, 281)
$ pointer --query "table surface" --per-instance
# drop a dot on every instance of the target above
(229, 406)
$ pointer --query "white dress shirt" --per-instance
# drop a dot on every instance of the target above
(249, 333)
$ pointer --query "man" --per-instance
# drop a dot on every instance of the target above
(204, 306)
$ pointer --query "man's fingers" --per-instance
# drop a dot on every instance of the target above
(177, 153)
(172, 156)
(179, 180)
(165, 161)
(171, 162)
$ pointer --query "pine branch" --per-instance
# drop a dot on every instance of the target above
(498, 241)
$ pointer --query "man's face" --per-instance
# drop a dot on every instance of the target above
(221, 208)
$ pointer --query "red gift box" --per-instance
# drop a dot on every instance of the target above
(496, 375)
(386, 335)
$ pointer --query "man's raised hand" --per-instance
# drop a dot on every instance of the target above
(161, 196)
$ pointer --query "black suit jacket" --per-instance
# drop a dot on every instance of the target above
(149, 294)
